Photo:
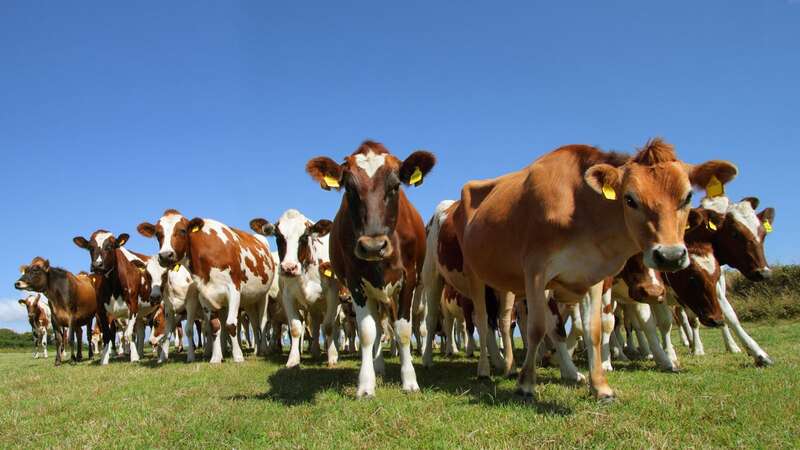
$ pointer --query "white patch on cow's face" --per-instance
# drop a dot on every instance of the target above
(716, 204)
(370, 162)
(100, 239)
(706, 262)
(387, 294)
(168, 225)
(743, 213)
(156, 271)
(292, 225)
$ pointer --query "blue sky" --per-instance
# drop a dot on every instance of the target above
(112, 113)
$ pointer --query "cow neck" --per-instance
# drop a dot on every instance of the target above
(54, 277)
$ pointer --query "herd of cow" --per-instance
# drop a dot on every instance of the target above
(578, 245)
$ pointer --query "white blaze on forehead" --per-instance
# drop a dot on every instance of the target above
(716, 204)
(168, 223)
(101, 238)
(706, 262)
(292, 225)
(743, 213)
(370, 162)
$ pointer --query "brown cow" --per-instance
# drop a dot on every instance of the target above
(72, 299)
(39, 318)
(569, 220)
(230, 268)
(377, 246)
(123, 287)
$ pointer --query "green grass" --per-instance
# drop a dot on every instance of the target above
(720, 400)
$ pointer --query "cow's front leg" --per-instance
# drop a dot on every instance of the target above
(759, 355)
(191, 313)
(329, 322)
(215, 338)
(506, 306)
(367, 332)
(591, 307)
(129, 336)
(44, 343)
(296, 329)
(79, 341)
(402, 332)
(163, 354)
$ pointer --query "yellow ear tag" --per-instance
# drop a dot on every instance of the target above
(712, 226)
(688, 226)
(330, 181)
(767, 226)
(142, 269)
(328, 273)
(195, 229)
(416, 177)
(609, 193)
(714, 187)
(176, 268)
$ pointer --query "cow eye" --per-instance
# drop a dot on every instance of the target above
(630, 202)
(182, 232)
(687, 201)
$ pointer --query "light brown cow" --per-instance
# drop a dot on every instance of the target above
(39, 318)
(569, 220)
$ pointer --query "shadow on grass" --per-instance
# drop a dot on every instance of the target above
(455, 377)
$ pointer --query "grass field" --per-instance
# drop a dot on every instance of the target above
(720, 400)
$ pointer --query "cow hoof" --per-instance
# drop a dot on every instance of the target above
(606, 399)
(215, 361)
(365, 393)
(579, 379)
(484, 378)
(607, 366)
(512, 375)
(411, 387)
(524, 396)
(332, 364)
(763, 361)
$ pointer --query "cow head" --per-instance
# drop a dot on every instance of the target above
(34, 276)
(371, 178)
(172, 231)
(737, 233)
(31, 304)
(102, 247)
(294, 234)
(696, 286)
(644, 284)
(158, 327)
(655, 189)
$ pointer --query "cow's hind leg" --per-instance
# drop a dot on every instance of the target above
(538, 315)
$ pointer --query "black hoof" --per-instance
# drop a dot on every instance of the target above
(484, 378)
(607, 399)
(763, 361)
(526, 397)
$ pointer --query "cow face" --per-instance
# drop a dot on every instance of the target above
(158, 277)
(696, 286)
(31, 305)
(655, 190)
(172, 232)
(372, 177)
(736, 232)
(644, 284)
(34, 276)
(295, 236)
(101, 246)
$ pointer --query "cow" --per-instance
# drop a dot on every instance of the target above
(275, 313)
(568, 221)
(124, 287)
(347, 320)
(72, 299)
(377, 247)
(39, 318)
(231, 269)
(303, 249)
(160, 331)
(457, 321)
(736, 233)
(176, 289)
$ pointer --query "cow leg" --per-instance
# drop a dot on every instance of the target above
(607, 321)
(432, 287)
(591, 309)
(315, 322)
(538, 315)
(169, 328)
(367, 334)
(447, 324)
(506, 306)
(647, 322)
(37, 343)
(130, 331)
(478, 294)
(522, 321)
(329, 322)
(109, 332)
(191, 311)
(697, 344)
(79, 341)
(71, 343)
(380, 364)
(215, 338)
(566, 365)
(89, 338)
(730, 343)
(686, 327)
(760, 356)
(296, 329)
(663, 317)
(402, 332)
(43, 342)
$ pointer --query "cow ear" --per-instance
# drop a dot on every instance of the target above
(196, 224)
(697, 218)
(414, 169)
(321, 228)
(23, 268)
(81, 242)
(46, 265)
(767, 215)
(604, 179)
(122, 239)
(262, 226)
(38, 297)
(712, 175)
(326, 172)
(753, 202)
(23, 302)
(146, 229)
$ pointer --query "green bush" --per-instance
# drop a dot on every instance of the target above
(12, 339)
(772, 299)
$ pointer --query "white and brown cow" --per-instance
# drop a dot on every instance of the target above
(39, 318)
(568, 221)
(303, 247)
(123, 288)
(377, 247)
(230, 268)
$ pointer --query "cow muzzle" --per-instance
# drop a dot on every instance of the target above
(167, 259)
(290, 269)
(759, 274)
(373, 248)
(667, 258)
(20, 285)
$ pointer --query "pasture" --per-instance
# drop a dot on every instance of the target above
(719, 400)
